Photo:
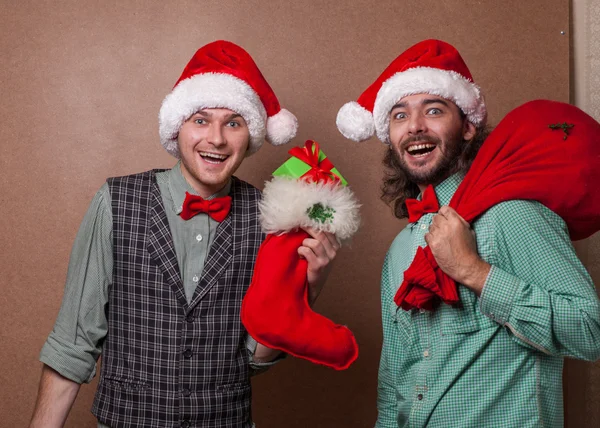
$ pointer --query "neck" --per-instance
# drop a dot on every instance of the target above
(201, 189)
(423, 186)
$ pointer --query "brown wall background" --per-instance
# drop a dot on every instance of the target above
(83, 81)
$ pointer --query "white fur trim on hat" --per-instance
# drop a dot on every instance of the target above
(355, 122)
(286, 201)
(281, 127)
(211, 90)
(425, 80)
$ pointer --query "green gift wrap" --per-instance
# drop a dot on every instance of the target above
(310, 162)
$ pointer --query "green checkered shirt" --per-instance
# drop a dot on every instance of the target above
(497, 361)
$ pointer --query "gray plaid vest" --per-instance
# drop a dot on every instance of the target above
(166, 363)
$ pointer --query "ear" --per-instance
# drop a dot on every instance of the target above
(469, 131)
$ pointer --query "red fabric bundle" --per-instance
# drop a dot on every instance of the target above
(545, 151)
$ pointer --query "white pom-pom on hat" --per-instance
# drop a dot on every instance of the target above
(355, 122)
(281, 127)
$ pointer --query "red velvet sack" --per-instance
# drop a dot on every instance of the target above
(545, 151)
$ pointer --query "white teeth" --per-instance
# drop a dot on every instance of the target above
(420, 147)
(213, 155)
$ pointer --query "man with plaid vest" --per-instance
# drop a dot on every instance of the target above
(163, 259)
(494, 358)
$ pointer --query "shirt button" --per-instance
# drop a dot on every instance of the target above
(423, 226)
(186, 392)
(198, 237)
(426, 353)
(420, 397)
(185, 424)
(187, 353)
(421, 311)
(195, 278)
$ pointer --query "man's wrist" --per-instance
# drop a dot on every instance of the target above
(264, 354)
(314, 290)
(476, 276)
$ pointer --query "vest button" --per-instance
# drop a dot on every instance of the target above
(190, 318)
(188, 353)
(186, 392)
(185, 424)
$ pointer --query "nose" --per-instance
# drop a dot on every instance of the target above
(215, 135)
(417, 124)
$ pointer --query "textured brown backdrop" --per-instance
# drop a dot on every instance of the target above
(83, 82)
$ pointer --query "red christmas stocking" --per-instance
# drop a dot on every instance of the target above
(276, 313)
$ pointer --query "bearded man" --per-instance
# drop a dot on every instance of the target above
(526, 301)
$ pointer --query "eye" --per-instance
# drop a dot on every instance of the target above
(234, 123)
(434, 111)
(400, 115)
(199, 121)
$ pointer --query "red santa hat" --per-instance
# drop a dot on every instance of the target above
(223, 75)
(429, 67)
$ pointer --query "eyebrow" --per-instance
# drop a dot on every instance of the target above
(232, 116)
(434, 101)
(425, 102)
(202, 113)
(209, 114)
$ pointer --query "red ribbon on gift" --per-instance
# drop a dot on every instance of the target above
(318, 170)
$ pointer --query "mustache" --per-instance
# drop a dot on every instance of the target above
(421, 137)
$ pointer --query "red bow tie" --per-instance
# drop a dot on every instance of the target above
(427, 204)
(216, 208)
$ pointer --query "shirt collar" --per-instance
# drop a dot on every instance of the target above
(178, 186)
(446, 189)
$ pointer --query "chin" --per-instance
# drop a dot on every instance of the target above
(423, 176)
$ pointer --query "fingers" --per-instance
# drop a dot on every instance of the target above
(445, 210)
(321, 247)
(308, 254)
(428, 238)
(451, 214)
(335, 242)
(316, 256)
(322, 241)
(315, 233)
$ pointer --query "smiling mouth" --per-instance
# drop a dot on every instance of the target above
(213, 158)
(419, 150)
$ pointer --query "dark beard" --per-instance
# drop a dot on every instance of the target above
(446, 166)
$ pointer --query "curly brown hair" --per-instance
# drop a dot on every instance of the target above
(397, 187)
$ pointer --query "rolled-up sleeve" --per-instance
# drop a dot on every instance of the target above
(539, 290)
(75, 343)
(256, 367)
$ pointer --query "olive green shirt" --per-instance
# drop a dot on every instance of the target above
(75, 343)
